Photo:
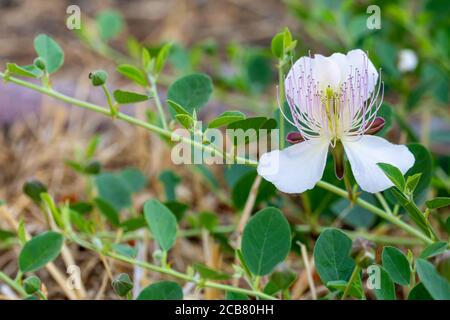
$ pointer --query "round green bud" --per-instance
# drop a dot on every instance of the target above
(98, 77)
(122, 285)
(33, 188)
(32, 284)
(39, 63)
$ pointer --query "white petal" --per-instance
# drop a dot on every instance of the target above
(301, 68)
(297, 168)
(358, 60)
(326, 72)
(342, 61)
(366, 152)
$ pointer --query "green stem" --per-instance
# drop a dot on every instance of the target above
(110, 101)
(382, 214)
(168, 271)
(13, 284)
(281, 97)
(355, 273)
(154, 91)
(93, 107)
(41, 295)
(383, 203)
(378, 238)
(211, 148)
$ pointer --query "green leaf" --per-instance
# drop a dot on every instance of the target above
(178, 208)
(414, 212)
(340, 285)
(5, 235)
(277, 45)
(235, 296)
(133, 178)
(170, 181)
(423, 164)
(162, 290)
(386, 291)
(49, 51)
(266, 241)
(133, 224)
(412, 182)
(108, 211)
(419, 292)
(109, 24)
(396, 265)
(162, 57)
(133, 73)
(332, 256)
(208, 220)
(125, 250)
(162, 223)
(21, 232)
(126, 97)
(112, 189)
(208, 273)
(436, 285)
(280, 281)
(192, 91)
(25, 71)
(439, 202)
(434, 249)
(226, 118)
(39, 251)
(185, 120)
(394, 174)
(177, 108)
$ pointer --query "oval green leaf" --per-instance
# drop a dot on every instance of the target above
(266, 241)
(49, 51)
(162, 223)
(332, 256)
(386, 289)
(39, 251)
(436, 285)
(192, 92)
(396, 265)
(108, 211)
(133, 73)
(126, 97)
(163, 290)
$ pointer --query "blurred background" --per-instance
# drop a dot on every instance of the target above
(227, 39)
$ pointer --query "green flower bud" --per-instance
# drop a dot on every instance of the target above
(122, 285)
(33, 188)
(443, 264)
(32, 284)
(39, 63)
(363, 251)
(98, 77)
